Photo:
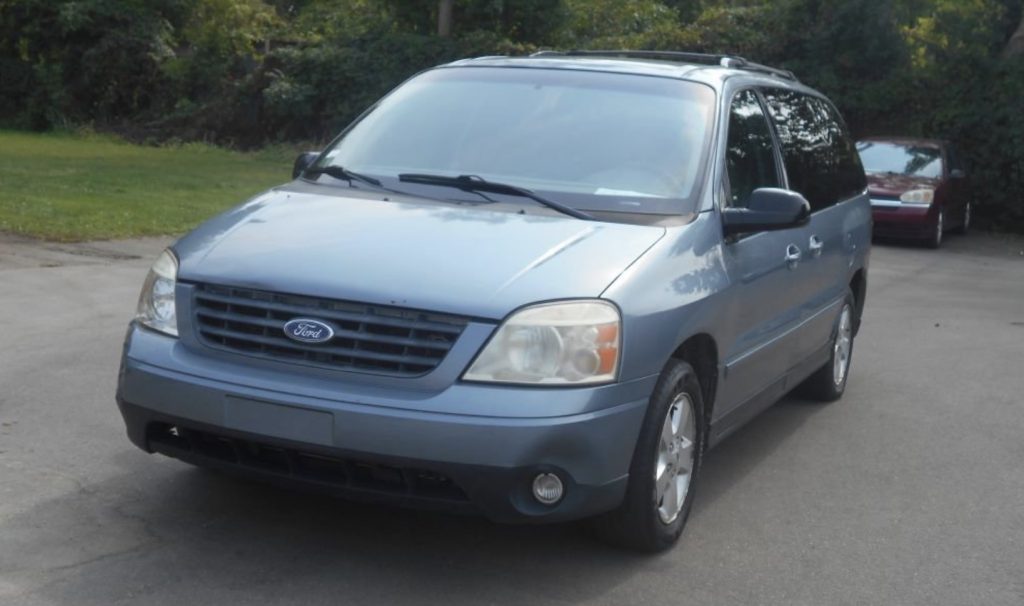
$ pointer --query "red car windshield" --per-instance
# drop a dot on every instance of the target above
(901, 159)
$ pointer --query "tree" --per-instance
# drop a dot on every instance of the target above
(444, 17)
(1015, 47)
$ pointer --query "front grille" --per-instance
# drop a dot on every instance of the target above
(367, 338)
(315, 468)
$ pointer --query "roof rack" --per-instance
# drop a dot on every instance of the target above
(730, 61)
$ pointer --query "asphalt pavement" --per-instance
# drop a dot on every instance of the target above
(910, 490)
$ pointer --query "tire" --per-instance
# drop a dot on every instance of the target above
(649, 520)
(965, 225)
(935, 240)
(828, 383)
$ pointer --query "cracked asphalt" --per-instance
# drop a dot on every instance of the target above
(910, 490)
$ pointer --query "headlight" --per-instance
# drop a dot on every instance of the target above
(566, 343)
(156, 303)
(918, 196)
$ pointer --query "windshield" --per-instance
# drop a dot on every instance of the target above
(590, 140)
(914, 160)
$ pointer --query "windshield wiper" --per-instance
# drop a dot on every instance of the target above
(473, 183)
(339, 172)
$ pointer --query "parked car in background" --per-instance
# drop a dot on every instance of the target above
(917, 188)
(536, 288)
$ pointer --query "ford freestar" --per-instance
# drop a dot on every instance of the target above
(535, 288)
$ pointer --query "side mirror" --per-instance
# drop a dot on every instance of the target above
(957, 173)
(770, 208)
(303, 162)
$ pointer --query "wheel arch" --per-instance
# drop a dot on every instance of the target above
(859, 286)
(701, 352)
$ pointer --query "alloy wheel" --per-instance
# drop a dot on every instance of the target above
(676, 451)
(843, 346)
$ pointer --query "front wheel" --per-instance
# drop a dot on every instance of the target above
(828, 383)
(935, 240)
(665, 466)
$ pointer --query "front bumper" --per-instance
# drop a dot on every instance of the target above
(383, 445)
(896, 220)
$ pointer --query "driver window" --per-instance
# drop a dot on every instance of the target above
(749, 157)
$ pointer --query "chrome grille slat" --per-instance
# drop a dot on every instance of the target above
(368, 338)
(340, 316)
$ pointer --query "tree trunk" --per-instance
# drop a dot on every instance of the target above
(1015, 47)
(444, 17)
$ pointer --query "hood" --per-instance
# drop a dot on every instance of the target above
(438, 257)
(894, 184)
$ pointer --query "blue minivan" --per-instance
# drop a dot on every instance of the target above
(534, 288)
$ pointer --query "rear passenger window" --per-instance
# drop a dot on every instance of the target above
(750, 156)
(821, 160)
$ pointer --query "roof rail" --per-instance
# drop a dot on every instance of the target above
(730, 61)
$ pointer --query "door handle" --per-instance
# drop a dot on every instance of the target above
(792, 256)
(815, 246)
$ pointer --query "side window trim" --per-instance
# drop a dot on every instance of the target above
(725, 185)
(780, 163)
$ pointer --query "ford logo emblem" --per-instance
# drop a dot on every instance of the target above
(307, 330)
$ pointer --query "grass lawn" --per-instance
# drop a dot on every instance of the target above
(90, 187)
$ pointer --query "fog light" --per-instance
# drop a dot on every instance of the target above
(547, 488)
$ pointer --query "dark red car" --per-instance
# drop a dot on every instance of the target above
(917, 187)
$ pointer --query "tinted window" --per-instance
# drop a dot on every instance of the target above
(750, 159)
(903, 159)
(820, 158)
(597, 141)
(953, 157)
